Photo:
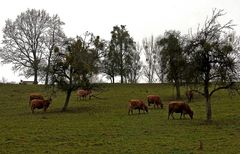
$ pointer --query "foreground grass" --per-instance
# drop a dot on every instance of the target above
(103, 126)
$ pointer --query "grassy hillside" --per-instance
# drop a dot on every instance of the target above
(103, 125)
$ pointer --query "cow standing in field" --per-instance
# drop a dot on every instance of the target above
(39, 104)
(156, 100)
(179, 107)
(137, 104)
(189, 95)
(83, 93)
(35, 96)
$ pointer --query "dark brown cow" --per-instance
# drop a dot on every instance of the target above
(154, 99)
(39, 104)
(83, 93)
(35, 96)
(179, 107)
(136, 104)
(189, 95)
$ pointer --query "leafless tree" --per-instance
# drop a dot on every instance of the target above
(54, 37)
(24, 41)
(149, 49)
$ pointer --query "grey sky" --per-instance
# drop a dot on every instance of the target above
(142, 17)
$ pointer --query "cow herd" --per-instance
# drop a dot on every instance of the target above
(173, 106)
(36, 100)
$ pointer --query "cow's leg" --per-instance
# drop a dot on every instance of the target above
(32, 109)
(172, 115)
(181, 115)
(130, 111)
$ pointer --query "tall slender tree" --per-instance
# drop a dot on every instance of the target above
(122, 44)
(173, 59)
(110, 63)
(149, 49)
(54, 37)
(133, 65)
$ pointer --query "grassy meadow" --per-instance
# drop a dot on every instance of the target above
(103, 125)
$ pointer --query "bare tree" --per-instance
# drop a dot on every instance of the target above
(159, 69)
(149, 49)
(24, 41)
(54, 37)
(211, 59)
(133, 65)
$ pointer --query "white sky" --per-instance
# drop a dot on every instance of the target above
(143, 18)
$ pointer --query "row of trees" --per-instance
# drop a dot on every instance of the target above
(36, 44)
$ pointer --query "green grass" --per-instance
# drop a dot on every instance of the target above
(103, 125)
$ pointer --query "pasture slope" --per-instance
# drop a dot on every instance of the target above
(103, 126)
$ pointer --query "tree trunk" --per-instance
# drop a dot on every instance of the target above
(208, 101)
(35, 76)
(67, 100)
(208, 109)
(121, 61)
(177, 90)
(46, 79)
(113, 80)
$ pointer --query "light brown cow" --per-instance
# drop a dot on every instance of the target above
(35, 96)
(83, 93)
(179, 107)
(136, 104)
(154, 99)
(39, 104)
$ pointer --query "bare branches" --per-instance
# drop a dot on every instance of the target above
(24, 40)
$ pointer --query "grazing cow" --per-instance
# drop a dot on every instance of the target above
(137, 104)
(189, 95)
(154, 99)
(35, 96)
(83, 93)
(179, 107)
(39, 104)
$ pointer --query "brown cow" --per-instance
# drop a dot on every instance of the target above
(136, 104)
(35, 96)
(179, 107)
(189, 95)
(83, 93)
(154, 99)
(39, 104)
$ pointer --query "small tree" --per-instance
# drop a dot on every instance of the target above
(211, 59)
(75, 65)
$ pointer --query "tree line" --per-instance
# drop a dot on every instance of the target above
(37, 46)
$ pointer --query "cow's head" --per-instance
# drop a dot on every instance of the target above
(190, 114)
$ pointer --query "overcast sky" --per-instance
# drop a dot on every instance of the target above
(143, 18)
